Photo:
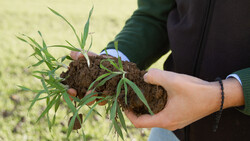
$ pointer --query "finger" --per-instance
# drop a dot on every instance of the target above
(143, 121)
(75, 55)
(91, 53)
(159, 77)
(92, 102)
(71, 92)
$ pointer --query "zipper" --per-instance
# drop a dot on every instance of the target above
(201, 48)
(203, 39)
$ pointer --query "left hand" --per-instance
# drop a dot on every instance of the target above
(189, 99)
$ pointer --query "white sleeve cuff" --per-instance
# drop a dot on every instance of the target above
(234, 76)
(113, 52)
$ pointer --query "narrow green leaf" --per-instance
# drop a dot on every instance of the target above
(106, 79)
(110, 127)
(139, 94)
(86, 30)
(92, 108)
(22, 39)
(103, 67)
(71, 124)
(118, 129)
(91, 42)
(108, 107)
(114, 64)
(66, 57)
(119, 87)
(98, 78)
(113, 111)
(53, 101)
(68, 101)
(38, 63)
(34, 42)
(122, 120)
(44, 86)
(49, 123)
(75, 98)
(86, 56)
(64, 46)
(57, 103)
(24, 88)
(35, 99)
(119, 58)
(56, 13)
(126, 92)
(36, 76)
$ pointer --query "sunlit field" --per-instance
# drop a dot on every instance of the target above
(27, 17)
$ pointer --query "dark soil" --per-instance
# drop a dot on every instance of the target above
(81, 76)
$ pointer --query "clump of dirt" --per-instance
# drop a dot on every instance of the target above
(79, 76)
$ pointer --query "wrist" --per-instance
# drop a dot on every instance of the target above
(233, 94)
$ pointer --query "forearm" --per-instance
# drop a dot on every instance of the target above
(144, 37)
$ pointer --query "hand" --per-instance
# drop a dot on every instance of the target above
(72, 92)
(189, 99)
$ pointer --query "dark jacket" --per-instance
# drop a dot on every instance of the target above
(208, 39)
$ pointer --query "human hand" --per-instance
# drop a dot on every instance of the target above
(72, 92)
(189, 99)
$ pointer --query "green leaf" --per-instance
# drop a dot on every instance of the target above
(84, 53)
(126, 92)
(57, 103)
(88, 98)
(113, 111)
(35, 99)
(97, 79)
(36, 76)
(44, 86)
(91, 42)
(56, 13)
(53, 101)
(24, 88)
(68, 101)
(139, 94)
(118, 129)
(86, 31)
(38, 63)
(122, 120)
(106, 79)
(66, 57)
(71, 124)
(103, 67)
(49, 123)
(119, 58)
(114, 106)
(118, 88)
(64, 46)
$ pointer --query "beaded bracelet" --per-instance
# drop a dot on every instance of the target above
(218, 114)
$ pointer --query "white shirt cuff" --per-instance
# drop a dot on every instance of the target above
(235, 76)
(113, 52)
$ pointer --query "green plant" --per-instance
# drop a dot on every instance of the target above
(52, 88)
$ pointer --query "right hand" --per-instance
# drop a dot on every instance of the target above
(72, 92)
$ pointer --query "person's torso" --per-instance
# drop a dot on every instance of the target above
(209, 39)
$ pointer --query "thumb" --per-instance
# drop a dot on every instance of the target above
(158, 77)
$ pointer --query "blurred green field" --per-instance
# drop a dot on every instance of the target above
(29, 16)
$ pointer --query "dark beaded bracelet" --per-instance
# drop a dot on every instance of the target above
(218, 114)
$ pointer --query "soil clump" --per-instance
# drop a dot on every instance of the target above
(79, 76)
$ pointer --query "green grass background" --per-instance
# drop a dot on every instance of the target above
(29, 16)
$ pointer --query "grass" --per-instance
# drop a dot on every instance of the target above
(29, 16)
